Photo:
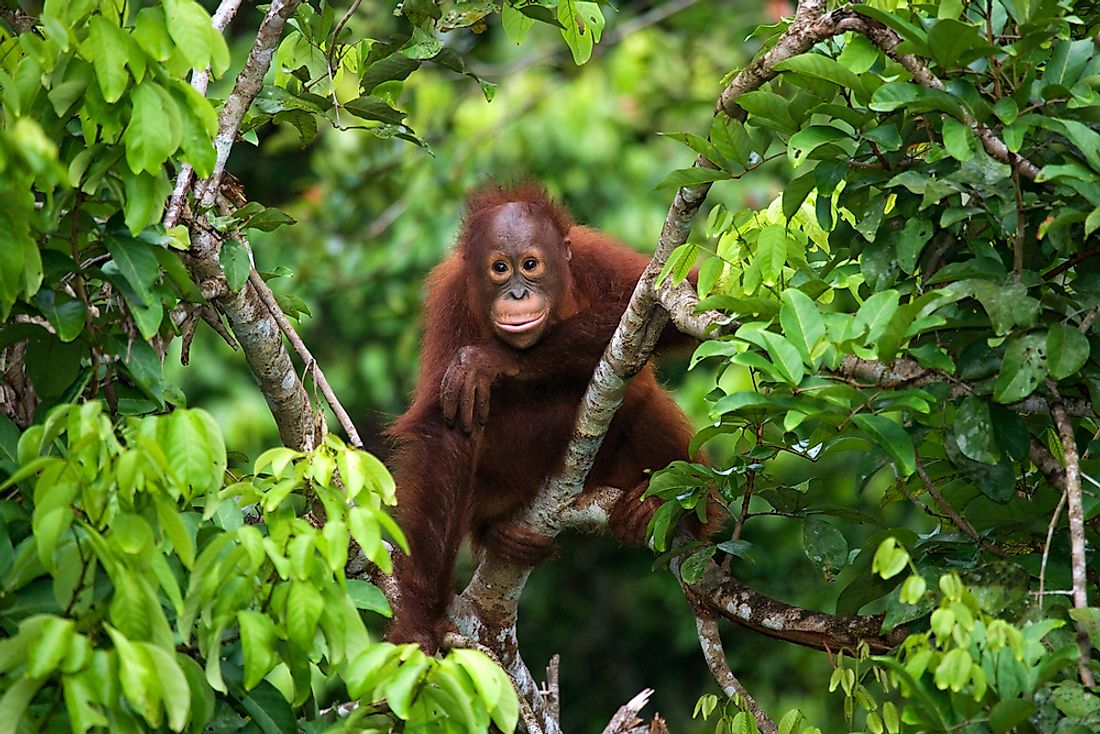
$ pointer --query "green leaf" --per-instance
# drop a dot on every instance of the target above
(582, 23)
(1067, 350)
(65, 313)
(176, 693)
(50, 646)
(911, 241)
(236, 263)
(974, 431)
(145, 198)
(891, 437)
(785, 358)
(809, 139)
(155, 130)
(399, 689)
(954, 43)
(106, 47)
(1023, 368)
(303, 611)
(14, 703)
(802, 323)
(196, 38)
(796, 192)
(691, 177)
(136, 674)
(365, 595)
(958, 139)
(199, 124)
(825, 546)
(732, 140)
(193, 445)
(771, 252)
(373, 108)
(137, 263)
(822, 67)
(876, 313)
(1008, 713)
(1008, 306)
(515, 23)
(258, 643)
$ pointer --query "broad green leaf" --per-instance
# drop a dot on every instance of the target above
(1067, 350)
(974, 431)
(65, 313)
(825, 546)
(199, 124)
(768, 106)
(1008, 713)
(374, 108)
(802, 323)
(106, 47)
(796, 191)
(145, 198)
(771, 252)
(176, 693)
(399, 689)
(954, 43)
(515, 23)
(822, 67)
(236, 263)
(196, 38)
(155, 130)
(136, 673)
(911, 241)
(365, 595)
(732, 140)
(785, 358)
(891, 437)
(14, 702)
(151, 33)
(581, 26)
(303, 611)
(50, 646)
(958, 139)
(809, 139)
(258, 643)
(193, 444)
(1008, 306)
(875, 314)
(136, 262)
(1023, 368)
(691, 177)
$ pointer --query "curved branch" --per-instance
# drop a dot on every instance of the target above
(711, 642)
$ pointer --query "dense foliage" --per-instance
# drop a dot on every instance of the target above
(922, 297)
(907, 385)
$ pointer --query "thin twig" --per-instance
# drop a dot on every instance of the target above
(1046, 546)
(715, 654)
(336, 32)
(1078, 562)
(303, 351)
(960, 522)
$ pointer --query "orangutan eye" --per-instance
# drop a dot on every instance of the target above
(500, 267)
(530, 263)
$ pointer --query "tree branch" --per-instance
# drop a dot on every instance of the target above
(711, 642)
(300, 347)
(1079, 566)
